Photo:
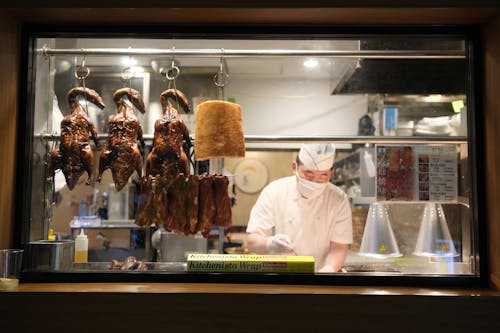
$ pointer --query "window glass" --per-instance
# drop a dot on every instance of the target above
(394, 109)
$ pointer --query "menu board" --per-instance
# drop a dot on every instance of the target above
(417, 173)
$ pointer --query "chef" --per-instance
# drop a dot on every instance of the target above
(304, 214)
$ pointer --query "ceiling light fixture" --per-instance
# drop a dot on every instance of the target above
(311, 63)
(433, 98)
(129, 61)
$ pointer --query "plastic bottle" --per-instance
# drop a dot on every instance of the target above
(390, 121)
(50, 235)
(81, 248)
(83, 208)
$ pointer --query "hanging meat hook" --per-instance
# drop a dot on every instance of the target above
(221, 78)
(82, 72)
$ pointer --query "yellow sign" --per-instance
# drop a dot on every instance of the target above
(250, 263)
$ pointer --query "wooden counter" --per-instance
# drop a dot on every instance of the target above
(164, 307)
(212, 288)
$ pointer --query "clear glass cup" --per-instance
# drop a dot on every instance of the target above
(10, 268)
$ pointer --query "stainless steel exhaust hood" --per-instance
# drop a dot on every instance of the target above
(405, 76)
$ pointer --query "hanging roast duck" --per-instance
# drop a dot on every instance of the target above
(74, 155)
(171, 142)
(120, 152)
(167, 161)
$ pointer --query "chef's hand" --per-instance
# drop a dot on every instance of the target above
(326, 269)
(279, 243)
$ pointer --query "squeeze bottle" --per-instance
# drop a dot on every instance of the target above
(81, 247)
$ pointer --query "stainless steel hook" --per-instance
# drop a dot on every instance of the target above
(82, 72)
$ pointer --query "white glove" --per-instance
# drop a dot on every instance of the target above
(279, 243)
(156, 239)
(326, 269)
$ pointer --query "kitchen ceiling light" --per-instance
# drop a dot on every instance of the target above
(129, 61)
(433, 98)
(311, 63)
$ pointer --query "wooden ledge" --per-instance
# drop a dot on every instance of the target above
(207, 288)
(86, 16)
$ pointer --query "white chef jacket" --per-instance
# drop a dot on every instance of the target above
(310, 223)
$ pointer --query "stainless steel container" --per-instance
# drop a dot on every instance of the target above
(45, 255)
(175, 247)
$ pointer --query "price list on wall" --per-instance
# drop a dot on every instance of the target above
(426, 173)
(437, 173)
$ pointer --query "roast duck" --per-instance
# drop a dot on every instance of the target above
(74, 155)
(171, 142)
(120, 152)
(169, 195)
(129, 264)
(166, 161)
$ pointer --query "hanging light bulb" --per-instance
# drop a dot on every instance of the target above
(378, 238)
(434, 238)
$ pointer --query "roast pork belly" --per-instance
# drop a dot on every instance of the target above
(219, 130)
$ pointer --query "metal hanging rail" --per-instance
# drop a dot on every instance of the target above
(237, 53)
(300, 139)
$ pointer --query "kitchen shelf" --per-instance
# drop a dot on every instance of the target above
(109, 224)
(363, 200)
(346, 157)
(344, 180)
(349, 163)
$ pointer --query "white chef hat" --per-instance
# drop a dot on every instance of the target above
(318, 156)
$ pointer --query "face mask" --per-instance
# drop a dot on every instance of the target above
(307, 188)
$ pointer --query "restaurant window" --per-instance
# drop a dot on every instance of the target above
(107, 193)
